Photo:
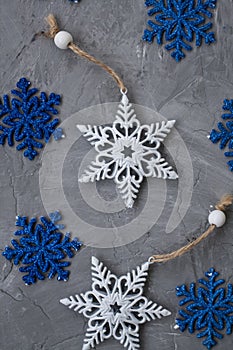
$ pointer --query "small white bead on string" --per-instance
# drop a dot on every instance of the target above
(62, 39)
(217, 218)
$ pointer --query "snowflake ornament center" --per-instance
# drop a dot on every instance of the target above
(127, 152)
(115, 306)
(116, 309)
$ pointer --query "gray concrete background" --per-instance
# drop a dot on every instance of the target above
(191, 92)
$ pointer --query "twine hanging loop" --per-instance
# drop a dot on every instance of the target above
(222, 206)
(54, 30)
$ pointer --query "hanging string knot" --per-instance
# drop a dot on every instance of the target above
(53, 27)
(224, 202)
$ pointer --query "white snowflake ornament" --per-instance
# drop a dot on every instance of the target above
(115, 306)
(127, 152)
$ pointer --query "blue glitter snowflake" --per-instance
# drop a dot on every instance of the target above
(225, 133)
(41, 249)
(209, 308)
(27, 119)
(179, 22)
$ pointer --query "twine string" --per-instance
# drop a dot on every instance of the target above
(221, 205)
(54, 29)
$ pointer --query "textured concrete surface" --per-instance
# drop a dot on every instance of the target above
(191, 92)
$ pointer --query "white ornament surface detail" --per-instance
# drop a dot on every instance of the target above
(115, 306)
(127, 152)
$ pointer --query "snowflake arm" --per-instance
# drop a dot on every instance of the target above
(159, 131)
(128, 182)
(27, 118)
(161, 169)
(85, 304)
(134, 281)
(227, 106)
(178, 22)
(157, 166)
(95, 336)
(224, 135)
(126, 117)
(99, 170)
(41, 249)
(96, 135)
(126, 338)
(209, 308)
(101, 278)
(148, 310)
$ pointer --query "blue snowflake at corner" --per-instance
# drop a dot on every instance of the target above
(28, 119)
(179, 22)
(41, 249)
(224, 134)
(209, 308)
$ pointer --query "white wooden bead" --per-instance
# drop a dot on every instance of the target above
(62, 39)
(217, 218)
